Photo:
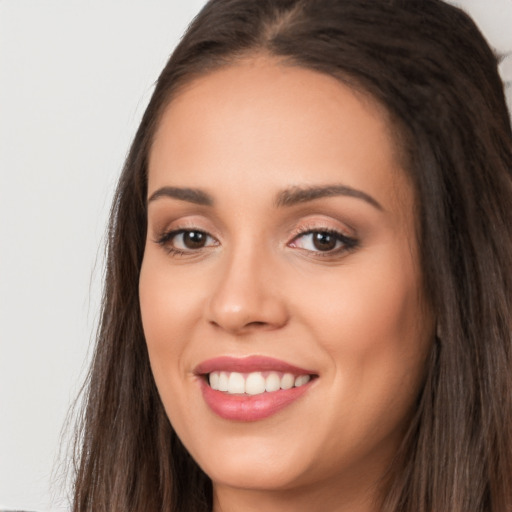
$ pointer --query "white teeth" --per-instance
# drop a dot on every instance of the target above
(287, 381)
(254, 383)
(301, 380)
(214, 380)
(236, 383)
(272, 382)
(223, 381)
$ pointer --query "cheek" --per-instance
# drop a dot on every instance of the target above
(168, 305)
(376, 330)
(365, 306)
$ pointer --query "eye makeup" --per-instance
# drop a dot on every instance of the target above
(316, 239)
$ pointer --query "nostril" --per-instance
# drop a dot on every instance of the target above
(256, 324)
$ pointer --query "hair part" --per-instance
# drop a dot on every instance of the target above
(429, 66)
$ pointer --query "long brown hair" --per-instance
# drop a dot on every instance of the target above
(428, 64)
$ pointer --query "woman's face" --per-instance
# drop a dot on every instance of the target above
(281, 252)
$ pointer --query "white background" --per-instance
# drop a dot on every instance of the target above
(75, 77)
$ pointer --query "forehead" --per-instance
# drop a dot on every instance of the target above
(260, 119)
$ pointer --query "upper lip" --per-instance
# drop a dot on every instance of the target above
(247, 365)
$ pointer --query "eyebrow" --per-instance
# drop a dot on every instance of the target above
(285, 198)
(296, 195)
(191, 195)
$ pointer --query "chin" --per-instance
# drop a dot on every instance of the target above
(250, 474)
(254, 464)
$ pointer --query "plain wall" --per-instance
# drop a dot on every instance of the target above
(75, 77)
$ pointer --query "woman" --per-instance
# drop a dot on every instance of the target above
(307, 302)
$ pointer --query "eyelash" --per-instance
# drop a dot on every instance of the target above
(348, 243)
(165, 238)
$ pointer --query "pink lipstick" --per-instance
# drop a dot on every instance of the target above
(251, 388)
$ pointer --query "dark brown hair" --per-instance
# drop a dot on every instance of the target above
(428, 64)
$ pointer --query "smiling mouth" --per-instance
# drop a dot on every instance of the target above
(251, 388)
(255, 383)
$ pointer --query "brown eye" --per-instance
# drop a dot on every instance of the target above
(194, 239)
(186, 240)
(324, 241)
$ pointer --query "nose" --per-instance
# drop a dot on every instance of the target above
(247, 296)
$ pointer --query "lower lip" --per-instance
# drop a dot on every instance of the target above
(250, 407)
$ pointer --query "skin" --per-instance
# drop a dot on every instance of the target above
(355, 316)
